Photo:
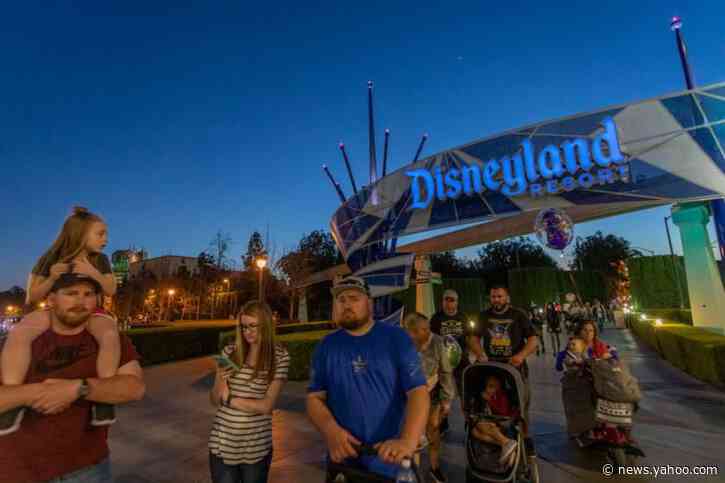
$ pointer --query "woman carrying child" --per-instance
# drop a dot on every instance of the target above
(595, 348)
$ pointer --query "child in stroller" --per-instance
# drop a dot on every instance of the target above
(492, 393)
(494, 402)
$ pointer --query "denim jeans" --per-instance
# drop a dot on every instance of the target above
(254, 473)
(100, 473)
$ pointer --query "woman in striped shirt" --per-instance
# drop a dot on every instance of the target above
(240, 444)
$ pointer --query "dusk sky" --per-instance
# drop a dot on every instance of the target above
(173, 121)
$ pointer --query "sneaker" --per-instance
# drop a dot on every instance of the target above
(507, 450)
(438, 475)
(103, 414)
(10, 420)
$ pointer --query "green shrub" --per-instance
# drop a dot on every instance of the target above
(682, 316)
(697, 351)
(170, 344)
(165, 344)
(227, 336)
(300, 346)
(305, 327)
(654, 281)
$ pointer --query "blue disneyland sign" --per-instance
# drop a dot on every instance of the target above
(572, 164)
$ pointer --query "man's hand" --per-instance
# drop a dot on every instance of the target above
(58, 410)
(56, 395)
(340, 444)
(394, 451)
(517, 360)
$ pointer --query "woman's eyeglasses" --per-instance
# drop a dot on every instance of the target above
(249, 327)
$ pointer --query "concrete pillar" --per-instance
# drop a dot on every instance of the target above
(302, 307)
(424, 296)
(707, 296)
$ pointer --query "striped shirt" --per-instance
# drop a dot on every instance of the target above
(241, 437)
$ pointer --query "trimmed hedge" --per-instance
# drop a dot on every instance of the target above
(697, 351)
(174, 343)
(654, 281)
(300, 346)
(305, 327)
(542, 285)
(166, 344)
(683, 316)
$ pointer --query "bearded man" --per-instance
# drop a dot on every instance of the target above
(56, 441)
(367, 386)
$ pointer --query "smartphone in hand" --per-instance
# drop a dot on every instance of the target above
(224, 362)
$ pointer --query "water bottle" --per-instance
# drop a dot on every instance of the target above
(405, 473)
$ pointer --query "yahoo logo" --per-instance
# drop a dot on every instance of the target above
(527, 171)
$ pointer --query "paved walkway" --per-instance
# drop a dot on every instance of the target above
(163, 438)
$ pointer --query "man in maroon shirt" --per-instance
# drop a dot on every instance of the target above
(56, 441)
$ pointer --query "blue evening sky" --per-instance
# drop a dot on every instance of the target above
(176, 119)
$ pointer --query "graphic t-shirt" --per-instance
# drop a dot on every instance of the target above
(505, 334)
(366, 379)
(46, 447)
(444, 324)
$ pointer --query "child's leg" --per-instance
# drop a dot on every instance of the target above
(15, 359)
(481, 435)
(490, 432)
(103, 328)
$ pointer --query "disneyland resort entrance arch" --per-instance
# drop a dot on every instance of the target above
(663, 151)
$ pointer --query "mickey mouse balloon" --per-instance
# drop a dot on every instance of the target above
(554, 228)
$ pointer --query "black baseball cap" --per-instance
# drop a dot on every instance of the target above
(351, 283)
(69, 279)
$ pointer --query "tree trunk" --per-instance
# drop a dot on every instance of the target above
(292, 305)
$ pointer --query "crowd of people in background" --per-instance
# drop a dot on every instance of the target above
(556, 318)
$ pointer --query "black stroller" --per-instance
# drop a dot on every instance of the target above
(483, 458)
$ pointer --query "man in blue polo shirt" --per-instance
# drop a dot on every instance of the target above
(367, 385)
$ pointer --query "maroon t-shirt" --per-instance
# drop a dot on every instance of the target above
(46, 447)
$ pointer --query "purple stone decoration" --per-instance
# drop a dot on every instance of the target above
(554, 229)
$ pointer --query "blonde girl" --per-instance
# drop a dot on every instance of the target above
(240, 444)
(78, 249)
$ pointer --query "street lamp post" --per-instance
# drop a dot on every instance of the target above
(226, 296)
(171, 293)
(261, 262)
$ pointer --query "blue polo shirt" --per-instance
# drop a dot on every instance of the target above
(366, 379)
